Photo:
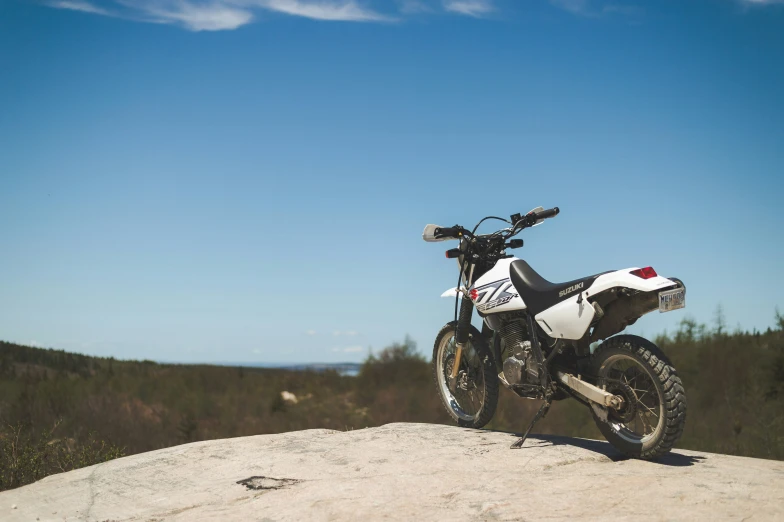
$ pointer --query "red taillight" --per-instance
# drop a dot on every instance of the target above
(473, 294)
(645, 273)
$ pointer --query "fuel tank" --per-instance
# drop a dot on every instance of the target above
(494, 292)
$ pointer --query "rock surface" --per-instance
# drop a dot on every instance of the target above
(406, 472)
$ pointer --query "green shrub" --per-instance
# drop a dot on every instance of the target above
(26, 458)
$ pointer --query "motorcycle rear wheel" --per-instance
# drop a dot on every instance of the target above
(654, 412)
(473, 401)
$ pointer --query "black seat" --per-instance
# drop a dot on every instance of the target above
(540, 294)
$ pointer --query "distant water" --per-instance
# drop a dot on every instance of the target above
(346, 369)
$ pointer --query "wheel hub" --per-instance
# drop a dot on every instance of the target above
(465, 383)
(463, 380)
(628, 409)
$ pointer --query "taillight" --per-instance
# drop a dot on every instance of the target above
(645, 273)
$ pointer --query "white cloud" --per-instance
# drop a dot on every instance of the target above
(197, 16)
(351, 333)
(336, 333)
(475, 8)
(597, 8)
(78, 5)
(332, 10)
(311, 333)
(218, 15)
(256, 351)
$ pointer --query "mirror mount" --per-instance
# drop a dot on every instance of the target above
(538, 221)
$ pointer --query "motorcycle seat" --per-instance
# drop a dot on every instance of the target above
(538, 293)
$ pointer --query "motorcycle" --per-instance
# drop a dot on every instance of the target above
(553, 341)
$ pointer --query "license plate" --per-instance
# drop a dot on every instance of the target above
(672, 299)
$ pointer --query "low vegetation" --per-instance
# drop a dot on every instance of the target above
(60, 411)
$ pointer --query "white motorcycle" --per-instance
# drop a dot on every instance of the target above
(537, 340)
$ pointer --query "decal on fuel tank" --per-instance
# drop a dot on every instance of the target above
(492, 294)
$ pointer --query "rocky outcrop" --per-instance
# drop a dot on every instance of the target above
(406, 472)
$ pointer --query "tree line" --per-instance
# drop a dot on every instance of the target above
(61, 410)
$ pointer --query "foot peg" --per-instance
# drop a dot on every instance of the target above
(539, 414)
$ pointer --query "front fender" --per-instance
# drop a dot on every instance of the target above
(452, 292)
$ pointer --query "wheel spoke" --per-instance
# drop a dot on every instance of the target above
(649, 410)
(469, 394)
(633, 380)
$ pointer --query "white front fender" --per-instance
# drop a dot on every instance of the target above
(452, 292)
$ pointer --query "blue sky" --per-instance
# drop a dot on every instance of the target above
(247, 180)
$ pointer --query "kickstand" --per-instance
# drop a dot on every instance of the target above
(539, 414)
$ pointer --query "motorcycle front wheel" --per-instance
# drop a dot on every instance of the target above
(653, 414)
(471, 402)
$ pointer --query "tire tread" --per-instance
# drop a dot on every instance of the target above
(674, 394)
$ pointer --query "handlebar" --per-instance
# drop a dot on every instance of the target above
(544, 214)
(519, 222)
(445, 232)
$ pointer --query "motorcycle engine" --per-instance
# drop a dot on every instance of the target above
(521, 367)
(513, 370)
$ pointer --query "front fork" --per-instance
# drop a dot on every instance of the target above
(461, 338)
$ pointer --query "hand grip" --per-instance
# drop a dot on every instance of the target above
(544, 214)
(447, 232)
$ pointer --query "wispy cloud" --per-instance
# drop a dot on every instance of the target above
(311, 333)
(78, 5)
(218, 15)
(598, 8)
(342, 11)
(197, 16)
(475, 8)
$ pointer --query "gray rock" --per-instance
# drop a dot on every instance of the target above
(404, 472)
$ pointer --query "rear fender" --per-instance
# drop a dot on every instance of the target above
(626, 309)
(624, 279)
